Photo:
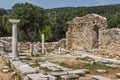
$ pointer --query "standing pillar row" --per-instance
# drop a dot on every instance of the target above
(14, 23)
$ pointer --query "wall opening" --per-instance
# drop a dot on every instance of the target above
(96, 38)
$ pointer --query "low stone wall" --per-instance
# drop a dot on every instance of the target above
(55, 45)
(23, 45)
(6, 45)
(49, 46)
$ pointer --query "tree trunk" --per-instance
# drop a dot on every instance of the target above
(26, 34)
(38, 35)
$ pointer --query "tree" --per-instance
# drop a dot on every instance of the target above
(33, 18)
(3, 22)
(114, 21)
(52, 22)
(2, 12)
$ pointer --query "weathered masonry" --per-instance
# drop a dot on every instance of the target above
(90, 32)
(84, 32)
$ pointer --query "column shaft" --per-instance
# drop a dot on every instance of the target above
(14, 41)
(43, 41)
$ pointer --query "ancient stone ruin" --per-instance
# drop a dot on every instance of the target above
(6, 43)
(90, 32)
(110, 42)
(67, 58)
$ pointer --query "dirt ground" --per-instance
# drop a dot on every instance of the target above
(110, 73)
(70, 61)
(4, 76)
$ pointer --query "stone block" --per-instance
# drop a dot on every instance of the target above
(86, 70)
(57, 74)
(26, 69)
(113, 65)
(24, 58)
(5, 70)
(39, 76)
(97, 77)
(53, 67)
(70, 77)
(3, 53)
(13, 73)
(40, 70)
(5, 67)
(16, 64)
(118, 75)
(50, 77)
(101, 71)
(78, 72)
(92, 62)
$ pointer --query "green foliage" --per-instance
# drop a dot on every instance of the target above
(69, 66)
(35, 65)
(45, 68)
(3, 23)
(47, 33)
(114, 21)
(2, 12)
(8, 63)
(17, 76)
(60, 16)
(21, 35)
(95, 66)
(33, 19)
(52, 22)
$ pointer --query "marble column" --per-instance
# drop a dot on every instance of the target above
(31, 49)
(14, 23)
(43, 42)
(59, 49)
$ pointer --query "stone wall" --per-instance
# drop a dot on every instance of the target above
(84, 32)
(23, 45)
(90, 32)
(6, 45)
(49, 46)
(110, 41)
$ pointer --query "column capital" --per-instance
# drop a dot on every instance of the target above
(14, 21)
